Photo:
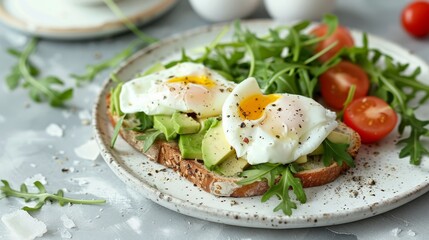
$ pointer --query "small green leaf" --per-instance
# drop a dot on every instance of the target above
(42, 196)
(149, 138)
(337, 152)
(116, 131)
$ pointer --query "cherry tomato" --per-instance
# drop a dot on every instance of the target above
(371, 117)
(335, 83)
(341, 35)
(415, 18)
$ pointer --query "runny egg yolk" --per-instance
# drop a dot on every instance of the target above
(252, 107)
(200, 80)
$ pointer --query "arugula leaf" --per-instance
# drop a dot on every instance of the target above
(118, 126)
(143, 122)
(259, 172)
(336, 152)
(271, 172)
(42, 196)
(149, 138)
(130, 25)
(93, 70)
(40, 90)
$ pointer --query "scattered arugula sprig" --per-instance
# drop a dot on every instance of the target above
(143, 39)
(42, 196)
(280, 180)
(336, 152)
(40, 90)
(391, 82)
(93, 70)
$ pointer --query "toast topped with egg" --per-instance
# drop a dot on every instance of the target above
(213, 132)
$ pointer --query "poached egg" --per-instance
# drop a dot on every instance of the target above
(275, 128)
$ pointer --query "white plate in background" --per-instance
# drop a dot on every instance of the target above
(58, 19)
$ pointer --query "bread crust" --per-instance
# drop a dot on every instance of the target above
(168, 154)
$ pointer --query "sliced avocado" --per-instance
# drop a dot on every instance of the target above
(337, 137)
(317, 151)
(301, 160)
(215, 147)
(232, 166)
(183, 124)
(164, 124)
(190, 144)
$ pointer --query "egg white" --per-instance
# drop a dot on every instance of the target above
(290, 127)
(155, 94)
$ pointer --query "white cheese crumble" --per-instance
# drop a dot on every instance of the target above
(88, 150)
(54, 130)
(411, 233)
(23, 225)
(135, 224)
(396, 231)
(66, 234)
(67, 222)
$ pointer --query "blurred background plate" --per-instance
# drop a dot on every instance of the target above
(73, 20)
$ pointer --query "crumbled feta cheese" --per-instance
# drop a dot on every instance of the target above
(411, 233)
(23, 225)
(66, 234)
(88, 151)
(135, 224)
(54, 130)
(85, 117)
(67, 222)
(396, 231)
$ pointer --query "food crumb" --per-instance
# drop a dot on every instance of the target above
(411, 233)
(396, 231)
(54, 130)
(66, 234)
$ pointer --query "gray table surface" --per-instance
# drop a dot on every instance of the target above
(26, 149)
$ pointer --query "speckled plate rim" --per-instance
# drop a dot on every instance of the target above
(76, 33)
(221, 215)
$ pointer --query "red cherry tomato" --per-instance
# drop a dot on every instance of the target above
(415, 18)
(335, 83)
(341, 35)
(371, 117)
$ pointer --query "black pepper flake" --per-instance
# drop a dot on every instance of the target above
(64, 170)
(277, 136)
(246, 140)
(242, 125)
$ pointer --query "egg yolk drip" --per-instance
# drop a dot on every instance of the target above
(200, 80)
(252, 107)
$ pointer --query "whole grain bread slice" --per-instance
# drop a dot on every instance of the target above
(168, 154)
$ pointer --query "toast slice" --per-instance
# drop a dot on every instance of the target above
(168, 154)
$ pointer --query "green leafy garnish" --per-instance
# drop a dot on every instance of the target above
(40, 90)
(336, 152)
(149, 138)
(391, 82)
(93, 70)
(42, 196)
(118, 126)
(280, 180)
(130, 25)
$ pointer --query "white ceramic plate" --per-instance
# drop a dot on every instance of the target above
(72, 20)
(380, 182)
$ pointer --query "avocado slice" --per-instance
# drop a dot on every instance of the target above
(183, 124)
(232, 166)
(335, 137)
(190, 144)
(215, 147)
(164, 124)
